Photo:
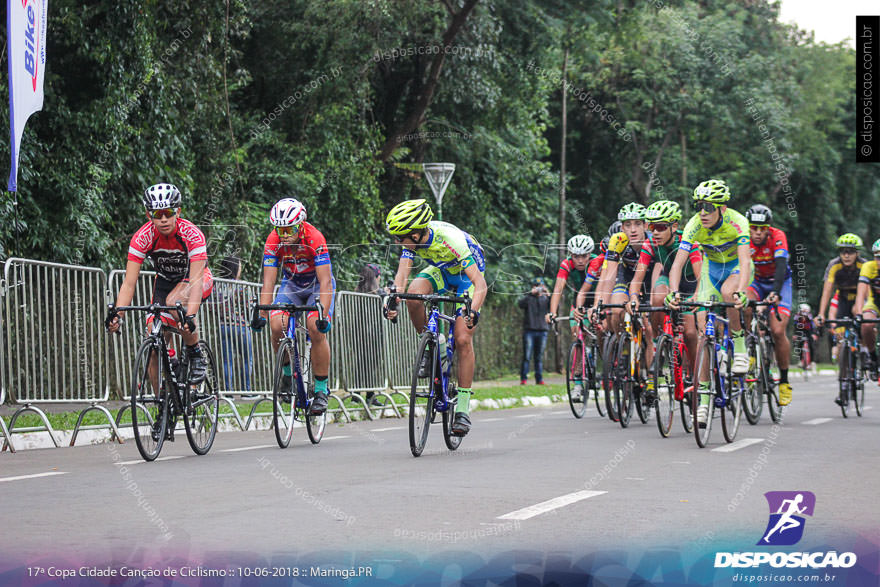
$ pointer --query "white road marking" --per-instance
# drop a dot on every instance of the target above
(387, 429)
(528, 416)
(549, 505)
(681, 462)
(136, 461)
(247, 448)
(634, 478)
(491, 419)
(4, 479)
(335, 437)
(816, 421)
(738, 445)
(867, 408)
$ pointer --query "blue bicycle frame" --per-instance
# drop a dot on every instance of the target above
(726, 344)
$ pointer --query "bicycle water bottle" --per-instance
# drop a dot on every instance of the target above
(442, 347)
(174, 362)
(722, 360)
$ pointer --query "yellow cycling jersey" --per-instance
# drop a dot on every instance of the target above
(869, 275)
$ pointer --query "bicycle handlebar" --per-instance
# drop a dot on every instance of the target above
(155, 309)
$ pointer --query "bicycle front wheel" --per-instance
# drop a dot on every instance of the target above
(594, 377)
(731, 414)
(575, 382)
(149, 404)
(704, 368)
(421, 400)
(623, 382)
(753, 397)
(608, 375)
(769, 370)
(315, 424)
(844, 379)
(664, 385)
(201, 415)
(283, 395)
(858, 388)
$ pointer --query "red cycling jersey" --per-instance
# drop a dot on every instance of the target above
(764, 257)
(297, 261)
(170, 254)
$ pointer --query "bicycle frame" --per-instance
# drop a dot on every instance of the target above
(435, 317)
(725, 343)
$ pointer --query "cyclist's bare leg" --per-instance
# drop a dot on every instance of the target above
(617, 313)
(780, 340)
(464, 351)
(869, 332)
(728, 288)
(417, 316)
(320, 348)
(180, 293)
(691, 335)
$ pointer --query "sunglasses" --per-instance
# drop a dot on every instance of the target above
(848, 251)
(704, 206)
(284, 231)
(162, 213)
(658, 226)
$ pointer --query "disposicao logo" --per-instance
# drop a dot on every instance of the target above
(785, 528)
(786, 524)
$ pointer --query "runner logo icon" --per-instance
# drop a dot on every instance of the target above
(786, 524)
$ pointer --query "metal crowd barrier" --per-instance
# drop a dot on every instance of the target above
(56, 348)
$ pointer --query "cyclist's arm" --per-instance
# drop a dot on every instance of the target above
(402, 277)
(325, 282)
(744, 255)
(556, 295)
(779, 275)
(826, 297)
(636, 284)
(480, 287)
(270, 274)
(586, 286)
(861, 297)
(606, 282)
(196, 276)
(681, 257)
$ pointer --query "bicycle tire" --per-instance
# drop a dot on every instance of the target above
(664, 385)
(594, 363)
(204, 401)
(805, 358)
(283, 398)
(771, 389)
(643, 408)
(150, 425)
(452, 441)
(844, 381)
(858, 389)
(575, 370)
(705, 358)
(686, 379)
(421, 402)
(623, 392)
(608, 375)
(315, 424)
(753, 398)
(731, 413)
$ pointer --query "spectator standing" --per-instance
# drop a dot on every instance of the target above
(536, 304)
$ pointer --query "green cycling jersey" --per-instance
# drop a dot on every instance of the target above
(449, 248)
(720, 242)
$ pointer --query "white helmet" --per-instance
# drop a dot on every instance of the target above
(287, 212)
(580, 244)
(161, 196)
(805, 308)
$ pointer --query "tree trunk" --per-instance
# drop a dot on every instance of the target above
(561, 239)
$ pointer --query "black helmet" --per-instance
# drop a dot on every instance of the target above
(759, 214)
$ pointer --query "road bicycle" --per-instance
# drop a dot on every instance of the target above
(438, 391)
(160, 390)
(714, 360)
(853, 364)
(581, 379)
(762, 379)
(293, 394)
(628, 370)
(673, 375)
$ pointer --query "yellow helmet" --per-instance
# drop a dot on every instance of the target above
(408, 216)
(713, 190)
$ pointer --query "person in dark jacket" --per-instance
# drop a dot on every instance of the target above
(536, 304)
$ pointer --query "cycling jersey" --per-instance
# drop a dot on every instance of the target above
(720, 242)
(594, 269)
(573, 277)
(869, 275)
(844, 279)
(621, 251)
(665, 255)
(448, 248)
(764, 256)
(299, 260)
(170, 254)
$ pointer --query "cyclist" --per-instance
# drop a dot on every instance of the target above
(620, 263)
(300, 250)
(866, 304)
(594, 271)
(803, 326)
(663, 223)
(772, 283)
(723, 234)
(572, 272)
(178, 251)
(456, 264)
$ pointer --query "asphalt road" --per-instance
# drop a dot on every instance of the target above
(361, 489)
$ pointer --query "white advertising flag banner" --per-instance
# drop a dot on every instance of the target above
(26, 34)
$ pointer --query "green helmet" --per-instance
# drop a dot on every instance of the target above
(713, 190)
(408, 216)
(663, 211)
(631, 211)
(849, 241)
(875, 248)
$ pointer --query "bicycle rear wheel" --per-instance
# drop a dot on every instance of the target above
(315, 425)
(623, 383)
(452, 441)
(608, 375)
(769, 370)
(644, 407)
(149, 404)
(844, 379)
(283, 395)
(858, 388)
(753, 396)
(421, 401)
(705, 363)
(682, 368)
(200, 417)
(575, 382)
(664, 385)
